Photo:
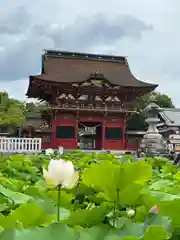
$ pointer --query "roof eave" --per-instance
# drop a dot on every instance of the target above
(146, 86)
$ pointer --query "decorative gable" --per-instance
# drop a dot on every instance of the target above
(97, 79)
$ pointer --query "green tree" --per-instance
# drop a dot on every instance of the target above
(11, 112)
(162, 100)
(34, 109)
(137, 121)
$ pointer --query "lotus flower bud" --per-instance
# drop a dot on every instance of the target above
(49, 151)
(61, 173)
(130, 212)
(154, 209)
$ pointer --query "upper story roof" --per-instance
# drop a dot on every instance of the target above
(67, 67)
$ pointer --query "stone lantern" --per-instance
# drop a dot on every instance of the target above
(152, 142)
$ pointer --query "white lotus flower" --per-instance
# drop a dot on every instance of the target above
(61, 173)
(130, 212)
(49, 151)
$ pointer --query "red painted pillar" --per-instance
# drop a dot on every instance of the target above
(76, 132)
(103, 135)
(124, 134)
(53, 130)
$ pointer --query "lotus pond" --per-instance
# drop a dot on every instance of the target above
(115, 198)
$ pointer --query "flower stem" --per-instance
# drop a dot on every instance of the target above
(77, 190)
(117, 200)
(58, 203)
(116, 206)
(114, 215)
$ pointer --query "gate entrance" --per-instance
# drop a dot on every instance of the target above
(90, 135)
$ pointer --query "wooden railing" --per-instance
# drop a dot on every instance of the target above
(93, 107)
(20, 145)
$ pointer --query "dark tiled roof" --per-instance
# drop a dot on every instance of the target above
(171, 116)
(35, 122)
(76, 67)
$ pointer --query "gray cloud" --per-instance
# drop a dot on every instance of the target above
(16, 22)
(97, 30)
(121, 27)
(21, 57)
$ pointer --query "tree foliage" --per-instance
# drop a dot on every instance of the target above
(14, 112)
(11, 111)
(34, 109)
(162, 100)
(137, 121)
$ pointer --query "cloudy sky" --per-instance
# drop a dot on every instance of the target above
(145, 31)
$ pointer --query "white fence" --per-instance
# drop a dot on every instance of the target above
(20, 145)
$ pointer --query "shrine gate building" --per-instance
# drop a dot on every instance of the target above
(90, 98)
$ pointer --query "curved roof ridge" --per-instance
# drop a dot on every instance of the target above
(137, 79)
